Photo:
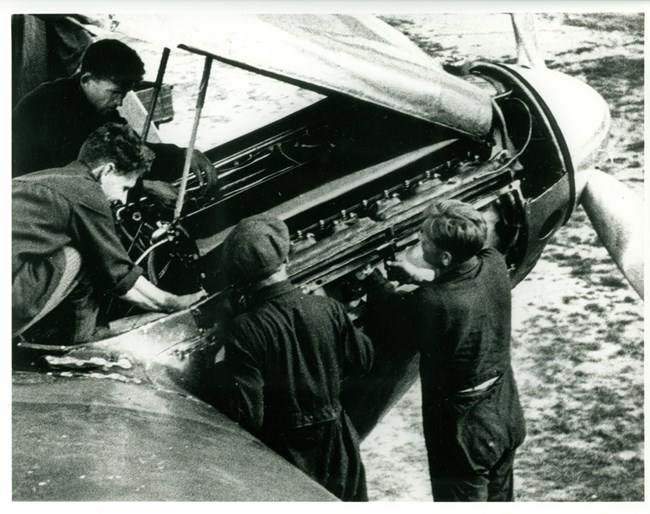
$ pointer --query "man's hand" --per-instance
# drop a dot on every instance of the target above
(202, 166)
(404, 272)
(364, 273)
(187, 300)
(161, 192)
(149, 297)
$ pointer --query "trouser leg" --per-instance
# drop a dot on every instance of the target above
(501, 487)
(453, 479)
(469, 488)
(496, 485)
(70, 278)
(84, 307)
(329, 453)
(70, 313)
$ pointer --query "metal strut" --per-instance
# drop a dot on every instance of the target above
(190, 148)
(156, 92)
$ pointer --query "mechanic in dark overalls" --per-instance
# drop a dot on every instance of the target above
(50, 124)
(287, 354)
(473, 421)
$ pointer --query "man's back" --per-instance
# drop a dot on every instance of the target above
(50, 124)
(302, 346)
(288, 355)
(467, 314)
(285, 359)
(43, 206)
(62, 207)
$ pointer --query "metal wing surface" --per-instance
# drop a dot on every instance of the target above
(101, 439)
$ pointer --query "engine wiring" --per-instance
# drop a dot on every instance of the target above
(151, 249)
(529, 135)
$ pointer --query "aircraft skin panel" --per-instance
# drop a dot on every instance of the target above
(585, 134)
(102, 439)
(330, 53)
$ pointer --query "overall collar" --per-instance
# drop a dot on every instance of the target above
(463, 271)
(272, 291)
(77, 168)
(83, 169)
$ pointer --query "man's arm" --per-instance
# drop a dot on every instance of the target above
(391, 314)
(93, 231)
(247, 405)
(358, 352)
(167, 168)
(169, 162)
(162, 192)
(147, 296)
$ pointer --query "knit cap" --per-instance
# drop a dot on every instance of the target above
(255, 248)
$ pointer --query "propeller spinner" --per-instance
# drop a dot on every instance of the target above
(583, 118)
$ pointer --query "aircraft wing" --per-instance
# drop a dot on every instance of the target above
(105, 439)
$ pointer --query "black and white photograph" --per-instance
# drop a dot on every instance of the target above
(314, 253)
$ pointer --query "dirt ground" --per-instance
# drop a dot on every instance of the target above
(577, 327)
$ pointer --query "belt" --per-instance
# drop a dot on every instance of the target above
(480, 387)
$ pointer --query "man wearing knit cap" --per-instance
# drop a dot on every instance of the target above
(287, 356)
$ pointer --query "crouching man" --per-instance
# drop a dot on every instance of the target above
(473, 421)
(65, 248)
(287, 356)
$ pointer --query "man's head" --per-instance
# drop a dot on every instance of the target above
(452, 233)
(109, 70)
(256, 248)
(117, 157)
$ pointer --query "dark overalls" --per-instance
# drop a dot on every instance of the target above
(50, 124)
(288, 355)
(473, 421)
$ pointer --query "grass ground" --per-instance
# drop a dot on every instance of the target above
(578, 342)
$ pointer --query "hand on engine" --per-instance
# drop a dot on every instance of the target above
(204, 170)
(404, 272)
(163, 193)
(187, 300)
(364, 273)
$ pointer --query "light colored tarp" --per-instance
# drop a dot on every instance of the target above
(357, 56)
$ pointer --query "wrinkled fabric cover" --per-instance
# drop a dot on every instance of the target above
(358, 56)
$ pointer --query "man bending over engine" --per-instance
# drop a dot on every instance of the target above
(65, 247)
(287, 356)
(50, 124)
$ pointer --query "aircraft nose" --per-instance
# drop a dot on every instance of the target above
(582, 116)
(584, 119)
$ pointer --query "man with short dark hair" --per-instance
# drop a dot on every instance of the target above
(64, 244)
(287, 355)
(473, 421)
(50, 124)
